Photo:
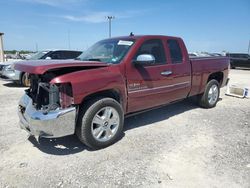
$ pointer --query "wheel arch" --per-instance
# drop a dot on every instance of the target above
(216, 76)
(111, 93)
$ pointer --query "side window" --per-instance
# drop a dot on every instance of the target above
(71, 54)
(66, 54)
(155, 48)
(74, 54)
(56, 55)
(234, 56)
(175, 51)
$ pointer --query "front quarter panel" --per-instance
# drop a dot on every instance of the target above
(91, 81)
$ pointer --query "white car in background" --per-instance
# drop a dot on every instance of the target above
(22, 77)
(5, 64)
(204, 54)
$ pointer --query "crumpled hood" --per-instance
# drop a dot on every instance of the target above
(42, 66)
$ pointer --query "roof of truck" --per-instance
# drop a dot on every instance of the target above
(141, 36)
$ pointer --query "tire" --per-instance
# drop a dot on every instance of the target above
(211, 95)
(100, 122)
(25, 81)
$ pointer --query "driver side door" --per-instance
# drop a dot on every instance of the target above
(148, 84)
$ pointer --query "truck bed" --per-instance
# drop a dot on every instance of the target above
(202, 67)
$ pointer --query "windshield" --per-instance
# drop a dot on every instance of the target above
(38, 55)
(108, 51)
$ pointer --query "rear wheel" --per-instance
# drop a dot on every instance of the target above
(100, 123)
(211, 95)
(25, 81)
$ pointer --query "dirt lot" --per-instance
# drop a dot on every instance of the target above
(180, 145)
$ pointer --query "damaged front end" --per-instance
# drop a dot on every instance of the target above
(47, 96)
(47, 109)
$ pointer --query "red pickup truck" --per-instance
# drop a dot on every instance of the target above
(116, 77)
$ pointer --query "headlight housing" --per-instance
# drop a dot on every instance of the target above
(65, 95)
(48, 97)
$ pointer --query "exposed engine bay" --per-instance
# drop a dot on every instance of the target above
(47, 96)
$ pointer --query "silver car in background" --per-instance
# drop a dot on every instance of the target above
(3, 65)
(22, 77)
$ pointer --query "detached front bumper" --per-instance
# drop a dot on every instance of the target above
(54, 124)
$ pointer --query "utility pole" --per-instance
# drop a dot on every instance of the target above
(36, 47)
(1, 48)
(110, 19)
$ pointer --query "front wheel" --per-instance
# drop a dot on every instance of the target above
(211, 95)
(25, 81)
(100, 123)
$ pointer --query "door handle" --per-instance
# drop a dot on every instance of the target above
(166, 73)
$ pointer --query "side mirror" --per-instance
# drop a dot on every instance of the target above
(48, 58)
(145, 59)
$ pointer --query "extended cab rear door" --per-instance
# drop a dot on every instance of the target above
(163, 82)
(180, 65)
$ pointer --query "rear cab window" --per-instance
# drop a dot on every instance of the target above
(175, 51)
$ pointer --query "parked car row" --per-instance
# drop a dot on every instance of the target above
(204, 54)
(7, 69)
(239, 60)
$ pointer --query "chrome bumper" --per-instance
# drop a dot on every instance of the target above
(54, 124)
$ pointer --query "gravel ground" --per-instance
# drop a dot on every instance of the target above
(180, 145)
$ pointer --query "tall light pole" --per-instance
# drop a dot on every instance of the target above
(36, 47)
(110, 19)
(1, 48)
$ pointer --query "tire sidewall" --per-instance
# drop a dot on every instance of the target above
(86, 122)
(209, 85)
(24, 77)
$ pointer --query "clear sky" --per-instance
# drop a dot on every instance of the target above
(211, 25)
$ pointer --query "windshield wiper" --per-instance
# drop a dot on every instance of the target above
(94, 59)
(91, 59)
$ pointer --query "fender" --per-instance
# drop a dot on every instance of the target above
(90, 81)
